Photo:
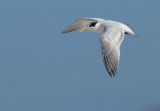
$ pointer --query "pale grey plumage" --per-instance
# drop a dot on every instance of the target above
(110, 43)
(112, 37)
(78, 25)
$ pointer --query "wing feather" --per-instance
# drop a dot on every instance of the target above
(110, 42)
(78, 25)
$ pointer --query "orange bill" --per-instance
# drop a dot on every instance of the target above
(84, 29)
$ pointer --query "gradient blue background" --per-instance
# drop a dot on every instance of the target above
(44, 70)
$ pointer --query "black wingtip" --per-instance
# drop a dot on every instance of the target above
(112, 74)
(127, 24)
(63, 32)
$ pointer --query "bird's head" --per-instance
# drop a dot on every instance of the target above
(93, 27)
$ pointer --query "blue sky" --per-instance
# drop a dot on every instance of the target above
(44, 70)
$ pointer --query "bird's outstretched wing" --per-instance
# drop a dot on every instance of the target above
(110, 43)
(78, 25)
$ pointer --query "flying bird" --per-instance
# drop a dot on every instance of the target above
(112, 36)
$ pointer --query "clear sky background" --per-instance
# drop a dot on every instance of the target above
(44, 70)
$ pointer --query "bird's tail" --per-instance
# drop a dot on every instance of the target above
(129, 31)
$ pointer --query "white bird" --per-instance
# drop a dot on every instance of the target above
(112, 36)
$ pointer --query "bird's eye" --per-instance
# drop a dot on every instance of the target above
(92, 24)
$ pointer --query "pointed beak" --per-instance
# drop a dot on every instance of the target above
(84, 29)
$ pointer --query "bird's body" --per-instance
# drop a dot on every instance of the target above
(112, 37)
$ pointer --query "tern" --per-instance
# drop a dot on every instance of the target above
(112, 36)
